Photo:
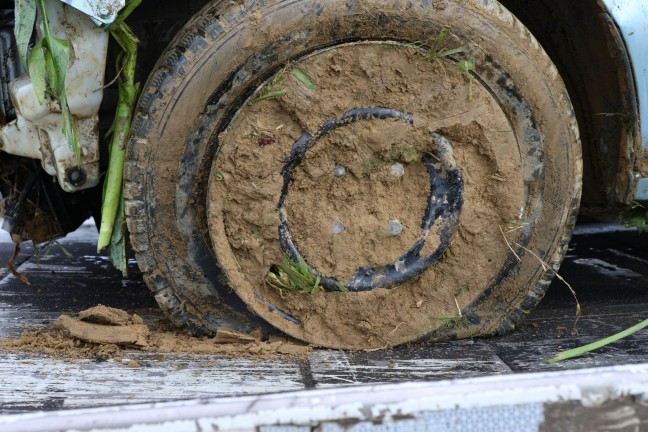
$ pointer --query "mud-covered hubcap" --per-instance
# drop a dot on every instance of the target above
(369, 165)
(443, 205)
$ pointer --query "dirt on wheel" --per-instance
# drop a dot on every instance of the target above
(354, 181)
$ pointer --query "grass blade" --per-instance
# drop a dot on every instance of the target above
(293, 277)
(465, 65)
(564, 355)
(449, 52)
(342, 288)
(440, 38)
(303, 78)
(273, 95)
(316, 285)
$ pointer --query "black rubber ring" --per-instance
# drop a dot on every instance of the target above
(444, 204)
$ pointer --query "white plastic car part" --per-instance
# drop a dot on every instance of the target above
(37, 132)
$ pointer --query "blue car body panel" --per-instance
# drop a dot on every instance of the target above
(632, 18)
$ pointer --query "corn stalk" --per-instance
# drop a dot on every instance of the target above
(113, 228)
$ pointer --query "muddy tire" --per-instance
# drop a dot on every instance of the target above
(327, 131)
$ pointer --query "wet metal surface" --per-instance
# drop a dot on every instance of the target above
(605, 265)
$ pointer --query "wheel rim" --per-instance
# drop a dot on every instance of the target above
(445, 296)
(443, 206)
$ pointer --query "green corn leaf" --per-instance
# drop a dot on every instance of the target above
(60, 51)
(52, 81)
(51, 60)
(25, 13)
(598, 344)
(70, 129)
(303, 78)
(38, 71)
(302, 266)
(119, 240)
(125, 13)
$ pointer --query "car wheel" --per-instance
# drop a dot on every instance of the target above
(356, 174)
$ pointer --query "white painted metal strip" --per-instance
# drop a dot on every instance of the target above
(386, 407)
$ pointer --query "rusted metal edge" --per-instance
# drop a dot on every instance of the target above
(499, 401)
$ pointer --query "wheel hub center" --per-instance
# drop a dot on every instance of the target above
(443, 209)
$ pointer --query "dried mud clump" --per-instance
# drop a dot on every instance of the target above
(104, 332)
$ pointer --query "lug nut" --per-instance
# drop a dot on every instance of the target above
(339, 170)
(104, 12)
(398, 169)
(394, 227)
(338, 227)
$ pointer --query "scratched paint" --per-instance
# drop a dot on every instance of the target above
(33, 383)
(463, 359)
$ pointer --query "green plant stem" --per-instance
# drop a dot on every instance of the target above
(564, 355)
(44, 18)
(112, 217)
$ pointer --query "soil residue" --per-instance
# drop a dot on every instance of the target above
(103, 332)
(247, 181)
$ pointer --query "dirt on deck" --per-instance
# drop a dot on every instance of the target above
(104, 332)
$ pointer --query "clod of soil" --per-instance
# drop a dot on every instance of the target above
(107, 332)
(126, 335)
